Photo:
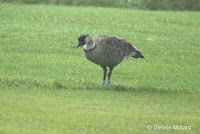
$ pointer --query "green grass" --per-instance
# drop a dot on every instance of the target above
(48, 86)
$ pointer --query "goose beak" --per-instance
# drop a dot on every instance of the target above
(79, 44)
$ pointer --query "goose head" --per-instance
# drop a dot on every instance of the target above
(84, 39)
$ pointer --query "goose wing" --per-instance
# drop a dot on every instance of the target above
(115, 45)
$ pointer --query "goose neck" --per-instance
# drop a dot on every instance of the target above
(89, 46)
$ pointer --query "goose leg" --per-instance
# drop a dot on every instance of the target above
(109, 75)
(104, 76)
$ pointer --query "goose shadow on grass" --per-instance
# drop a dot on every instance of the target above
(83, 85)
(123, 88)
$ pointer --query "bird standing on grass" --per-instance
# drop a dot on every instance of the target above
(107, 51)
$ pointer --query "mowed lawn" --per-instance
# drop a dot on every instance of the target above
(48, 86)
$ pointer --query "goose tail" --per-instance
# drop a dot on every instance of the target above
(138, 55)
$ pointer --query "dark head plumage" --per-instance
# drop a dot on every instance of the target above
(81, 40)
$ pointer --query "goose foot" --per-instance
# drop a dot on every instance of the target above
(104, 82)
(108, 82)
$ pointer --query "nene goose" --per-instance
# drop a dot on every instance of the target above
(107, 51)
